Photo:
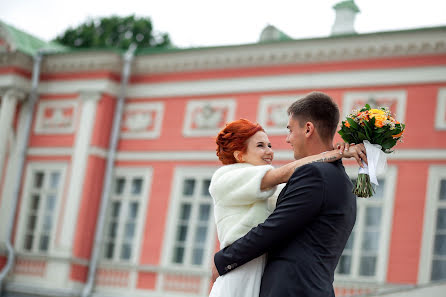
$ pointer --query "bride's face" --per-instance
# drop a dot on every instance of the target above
(259, 151)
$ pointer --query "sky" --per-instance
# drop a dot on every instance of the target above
(197, 23)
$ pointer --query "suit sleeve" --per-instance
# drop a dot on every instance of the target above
(298, 206)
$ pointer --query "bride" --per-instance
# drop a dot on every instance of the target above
(242, 191)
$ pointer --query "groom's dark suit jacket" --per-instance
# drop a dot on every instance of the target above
(304, 236)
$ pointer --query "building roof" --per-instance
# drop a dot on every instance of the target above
(27, 43)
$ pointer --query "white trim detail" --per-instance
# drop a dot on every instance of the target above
(19, 82)
(98, 152)
(440, 115)
(279, 155)
(272, 113)
(77, 175)
(436, 174)
(88, 85)
(58, 123)
(359, 78)
(206, 117)
(142, 120)
(399, 95)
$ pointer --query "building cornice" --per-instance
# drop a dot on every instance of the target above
(16, 60)
(319, 50)
(82, 61)
(429, 41)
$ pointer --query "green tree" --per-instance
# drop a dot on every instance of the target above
(114, 31)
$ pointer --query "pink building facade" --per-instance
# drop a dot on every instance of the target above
(158, 235)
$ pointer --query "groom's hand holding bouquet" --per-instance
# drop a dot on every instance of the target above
(379, 131)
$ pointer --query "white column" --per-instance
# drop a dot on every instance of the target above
(7, 112)
(77, 172)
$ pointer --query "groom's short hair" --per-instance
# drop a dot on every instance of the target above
(320, 109)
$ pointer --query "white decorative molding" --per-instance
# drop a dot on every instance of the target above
(279, 155)
(83, 61)
(142, 120)
(334, 79)
(50, 151)
(272, 114)
(440, 115)
(206, 117)
(341, 48)
(394, 99)
(90, 95)
(56, 117)
(16, 81)
(73, 86)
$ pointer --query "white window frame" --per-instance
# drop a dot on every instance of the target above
(130, 172)
(387, 203)
(436, 174)
(182, 173)
(25, 198)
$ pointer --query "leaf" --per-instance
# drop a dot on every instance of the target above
(362, 136)
(353, 124)
(367, 107)
(388, 144)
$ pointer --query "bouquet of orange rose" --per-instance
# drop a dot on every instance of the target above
(380, 132)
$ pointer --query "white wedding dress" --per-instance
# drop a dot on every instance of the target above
(244, 281)
(240, 205)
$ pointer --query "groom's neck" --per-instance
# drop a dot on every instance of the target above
(319, 147)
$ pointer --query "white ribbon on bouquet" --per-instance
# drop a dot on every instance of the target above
(377, 161)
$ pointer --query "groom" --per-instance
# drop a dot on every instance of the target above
(315, 213)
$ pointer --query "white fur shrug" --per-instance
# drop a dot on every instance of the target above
(239, 205)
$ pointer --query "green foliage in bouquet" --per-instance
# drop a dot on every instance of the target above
(375, 125)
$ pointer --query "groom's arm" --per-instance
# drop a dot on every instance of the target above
(299, 205)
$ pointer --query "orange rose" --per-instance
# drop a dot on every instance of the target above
(379, 119)
(347, 124)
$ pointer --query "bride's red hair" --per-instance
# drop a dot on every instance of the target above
(233, 137)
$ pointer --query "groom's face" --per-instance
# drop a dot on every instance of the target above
(296, 137)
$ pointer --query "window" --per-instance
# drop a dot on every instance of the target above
(365, 254)
(433, 252)
(439, 253)
(43, 190)
(124, 215)
(192, 229)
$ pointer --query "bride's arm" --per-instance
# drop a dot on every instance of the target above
(282, 174)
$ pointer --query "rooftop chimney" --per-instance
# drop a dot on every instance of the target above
(345, 18)
(271, 33)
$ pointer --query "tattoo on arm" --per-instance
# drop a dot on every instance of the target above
(324, 160)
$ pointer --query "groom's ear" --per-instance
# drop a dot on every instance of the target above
(309, 129)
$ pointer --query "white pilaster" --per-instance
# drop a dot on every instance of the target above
(78, 168)
(7, 112)
(10, 177)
